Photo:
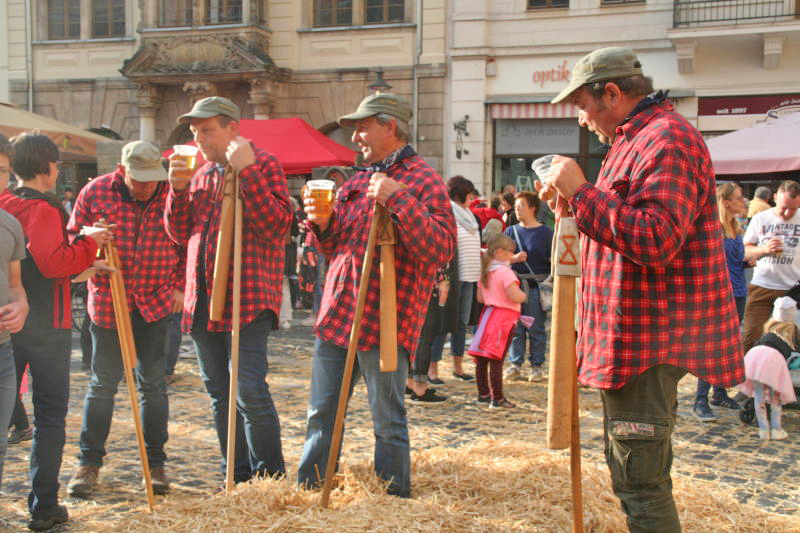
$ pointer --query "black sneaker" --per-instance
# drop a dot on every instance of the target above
(725, 401)
(435, 381)
(464, 376)
(44, 520)
(429, 397)
(703, 411)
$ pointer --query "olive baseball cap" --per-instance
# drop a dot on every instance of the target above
(143, 161)
(387, 103)
(601, 65)
(211, 107)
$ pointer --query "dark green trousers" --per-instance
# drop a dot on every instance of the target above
(638, 422)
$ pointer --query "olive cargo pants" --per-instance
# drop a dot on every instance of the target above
(638, 421)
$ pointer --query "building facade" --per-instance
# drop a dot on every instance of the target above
(727, 64)
(129, 68)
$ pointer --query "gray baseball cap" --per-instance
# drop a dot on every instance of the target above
(387, 103)
(601, 65)
(211, 107)
(143, 161)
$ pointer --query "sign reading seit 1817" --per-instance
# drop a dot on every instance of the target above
(560, 73)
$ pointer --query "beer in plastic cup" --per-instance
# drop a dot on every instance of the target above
(322, 193)
(188, 154)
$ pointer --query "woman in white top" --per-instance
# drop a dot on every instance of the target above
(461, 192)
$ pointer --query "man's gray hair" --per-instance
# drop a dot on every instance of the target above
(403, 130)
(763, 192)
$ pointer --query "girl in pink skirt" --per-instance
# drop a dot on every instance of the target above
(768, 379)
(498, 290)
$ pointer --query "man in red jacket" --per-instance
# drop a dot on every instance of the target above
(192, 220)
(131, 198)
(44, 341)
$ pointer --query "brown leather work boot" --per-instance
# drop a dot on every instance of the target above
(159, 479)
(84, 481)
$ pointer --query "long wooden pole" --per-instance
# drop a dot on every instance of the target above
(128, 349)
(355, 333)
(563, 426)
(235, 337)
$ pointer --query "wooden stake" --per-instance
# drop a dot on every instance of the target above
(235, 337)
(128, 348)
(222, 260)
(355, 332)
(386, 240)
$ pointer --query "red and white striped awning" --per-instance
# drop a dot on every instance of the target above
(533, 110)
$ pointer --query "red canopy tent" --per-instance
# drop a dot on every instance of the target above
(297, 145)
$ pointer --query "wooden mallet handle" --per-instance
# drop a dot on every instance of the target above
(386, 240)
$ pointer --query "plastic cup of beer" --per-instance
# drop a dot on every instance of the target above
(322, 193)
(187, 154)
(541, 166)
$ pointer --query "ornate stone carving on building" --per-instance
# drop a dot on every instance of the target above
(198, 90)
(216, 55)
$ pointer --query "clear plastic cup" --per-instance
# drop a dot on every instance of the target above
(322, 192)
(187, 154)
(541, 166)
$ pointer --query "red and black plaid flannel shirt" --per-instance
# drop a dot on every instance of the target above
(152, 265)
(192, 220)
(655, 284)
(426, 234)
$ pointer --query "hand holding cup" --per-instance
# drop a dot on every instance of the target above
(182, 164)
(318, 202)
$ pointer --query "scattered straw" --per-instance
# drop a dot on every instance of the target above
(490, 486)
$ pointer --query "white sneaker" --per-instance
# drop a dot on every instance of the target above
(286, 324)
(536, 374)
(310, 321)
(513, 373)
(779, 434)
(763, 434)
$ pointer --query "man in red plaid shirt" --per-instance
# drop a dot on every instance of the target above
(415, 196)
(656, 301)
(193, 218)
(132, 199)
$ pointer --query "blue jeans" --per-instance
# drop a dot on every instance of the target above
(8, 393)
(107, 371)
(172, 342)
(47, 353)
(385, 391)
(258, 431)
(537, 340)
(466, 291)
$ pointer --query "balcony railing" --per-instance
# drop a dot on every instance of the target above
(713, 12)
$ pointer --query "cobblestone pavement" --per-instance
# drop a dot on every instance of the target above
(764, 474)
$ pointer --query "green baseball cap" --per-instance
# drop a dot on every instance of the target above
(601, 65)
(211, 107)
(387, 103)
(143, 161)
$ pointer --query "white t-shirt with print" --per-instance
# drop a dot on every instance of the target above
(779, 271)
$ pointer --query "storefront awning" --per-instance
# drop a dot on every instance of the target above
(532, 110)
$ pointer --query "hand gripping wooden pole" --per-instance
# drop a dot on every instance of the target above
(386, 240)
(128, 348)
(235, 338)
(222, 260)
(562, 394)
(355, 333)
